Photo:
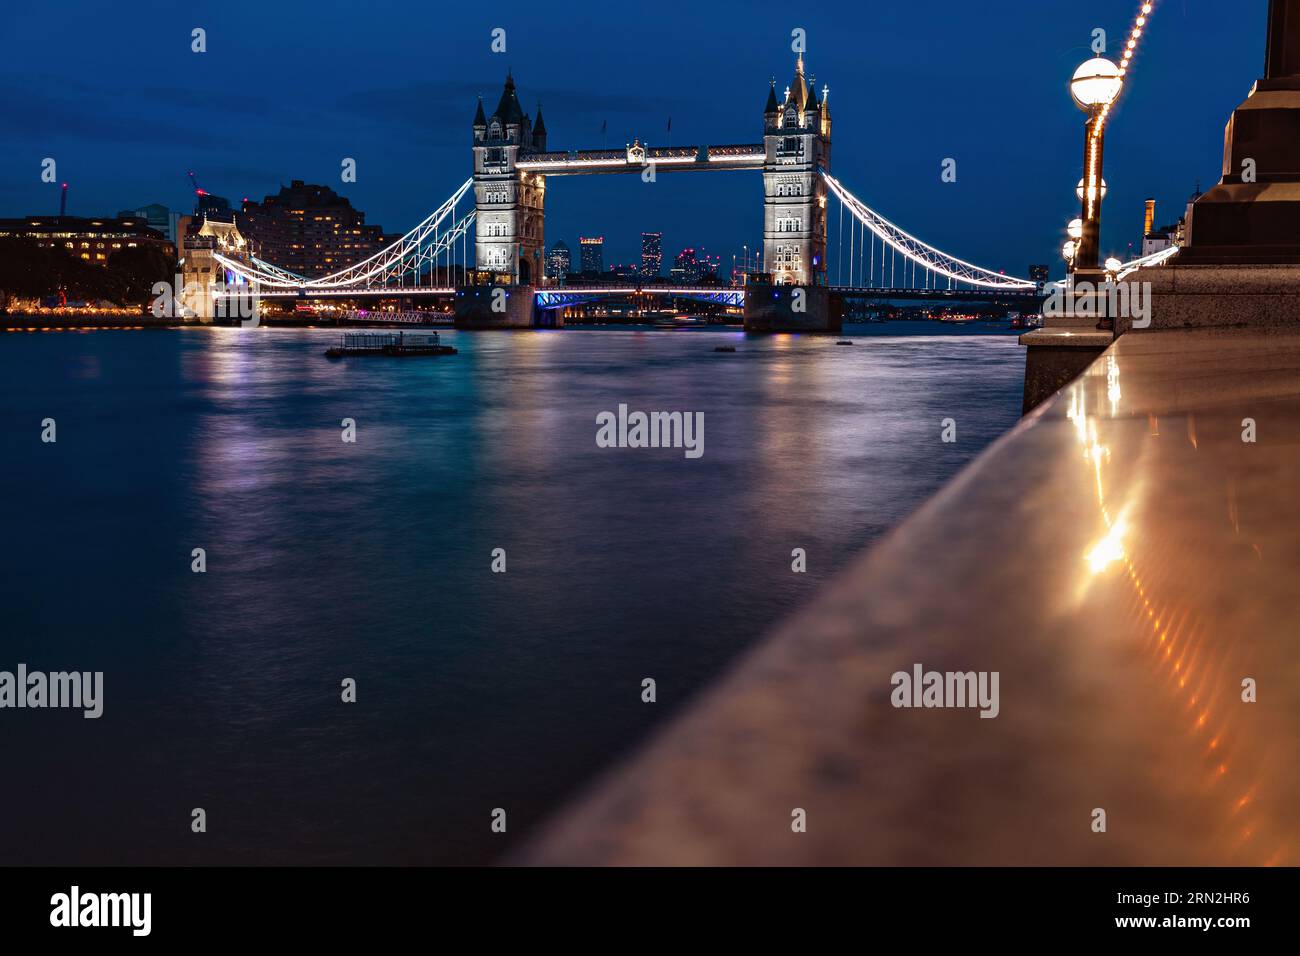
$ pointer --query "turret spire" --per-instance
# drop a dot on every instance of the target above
(798, 93)
(508, 109)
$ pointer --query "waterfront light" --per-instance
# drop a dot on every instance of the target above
(1095, 83)
(1075, 229)
(1094, 86)
(1068, 251)
(1113, 265)
(1078, 191)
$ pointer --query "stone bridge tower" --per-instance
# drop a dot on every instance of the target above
(510, 202)
(797, 135)
(202, 274)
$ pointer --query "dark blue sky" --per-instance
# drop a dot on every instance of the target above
(112, 91)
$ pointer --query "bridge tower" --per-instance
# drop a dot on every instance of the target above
(202, 274)
(510, 202)
(797, 135)
(792, 293)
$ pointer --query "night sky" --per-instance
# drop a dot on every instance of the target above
(113, 92)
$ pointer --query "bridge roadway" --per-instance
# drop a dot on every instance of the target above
(1008, 296)
(556, 296)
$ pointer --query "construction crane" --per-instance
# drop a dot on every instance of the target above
(198, 190)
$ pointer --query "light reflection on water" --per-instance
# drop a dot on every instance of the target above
(328, 560)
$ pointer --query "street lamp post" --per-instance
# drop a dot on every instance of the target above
(1094, 85)
(1090, 236)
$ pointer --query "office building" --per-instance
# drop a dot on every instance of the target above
(559, 261)
(91, 239)
(593, 254)
(652, 254)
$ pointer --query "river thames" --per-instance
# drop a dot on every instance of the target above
(372, 560)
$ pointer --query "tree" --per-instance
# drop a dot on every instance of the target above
(133, 272)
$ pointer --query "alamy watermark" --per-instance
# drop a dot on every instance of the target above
(922, 688)
(75, 909)
(1102, 300)
(82, 690)
(626, 429)
(220, 300)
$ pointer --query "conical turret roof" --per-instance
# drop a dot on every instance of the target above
(772, 105)
(508, 109)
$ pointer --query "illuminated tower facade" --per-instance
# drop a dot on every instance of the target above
(510, 202)
(797, 135)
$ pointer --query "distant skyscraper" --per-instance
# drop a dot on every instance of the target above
(559, 261)
(708, 265)
(694, 265)
(652, 254)
(685, 268)
(593, 253)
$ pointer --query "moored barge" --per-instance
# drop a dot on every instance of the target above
(401, 344)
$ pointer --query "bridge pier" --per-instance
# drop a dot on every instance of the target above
(494, 307)
(787, 308)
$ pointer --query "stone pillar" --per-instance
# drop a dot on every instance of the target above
(494, 307)
(1253, 215)
(199, 271)
(1241, 266)
(786, 308)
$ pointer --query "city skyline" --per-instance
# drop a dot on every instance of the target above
(247, 143)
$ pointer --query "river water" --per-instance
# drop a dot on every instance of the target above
(372, 560)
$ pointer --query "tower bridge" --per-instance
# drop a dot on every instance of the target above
(483, 248)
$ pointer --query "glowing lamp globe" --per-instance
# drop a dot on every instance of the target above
(1068, 251)
(1079, 189)
(1113, 265)
(1095, 83)
(1075, 229)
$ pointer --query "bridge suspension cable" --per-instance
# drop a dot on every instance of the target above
(418, 253)
(915, 252)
